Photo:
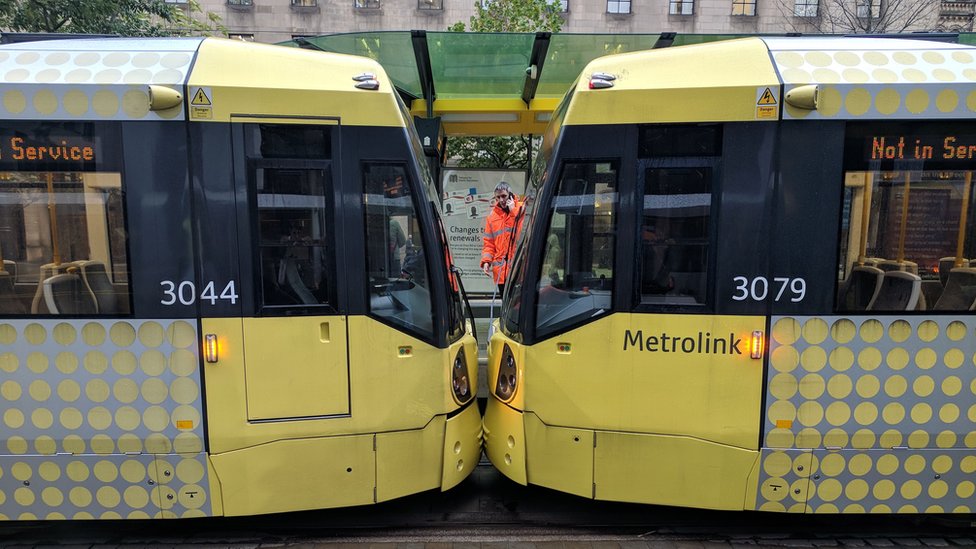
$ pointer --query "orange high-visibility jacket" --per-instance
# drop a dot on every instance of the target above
(501, 230)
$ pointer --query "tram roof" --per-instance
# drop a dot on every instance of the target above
(137, 79)
(480, 83)
(815, 78)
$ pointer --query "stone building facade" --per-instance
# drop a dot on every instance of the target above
(279, 20)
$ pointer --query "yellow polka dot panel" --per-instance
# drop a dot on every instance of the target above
(104, 487)
(936, 82)
(69, 80)
(867, 481)
(885, 382)
(100, 387)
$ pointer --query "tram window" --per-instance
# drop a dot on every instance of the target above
(399, 286)
(680, 141)
(285, 141)
(63, 244)
(674, 235)
(294, 237)
(576, 280)
(916, 222)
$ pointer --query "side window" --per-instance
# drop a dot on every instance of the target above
(674, 235)
(294, 237)
(399, 286)
(677, 176)
(292, 183)
(576, 279)
(908, 230)
(62, 244)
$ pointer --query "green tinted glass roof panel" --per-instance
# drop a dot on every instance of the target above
(569, 53)
(393, 50)
(479, 65)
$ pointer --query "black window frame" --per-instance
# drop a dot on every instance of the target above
(534, 254)
(254, 162)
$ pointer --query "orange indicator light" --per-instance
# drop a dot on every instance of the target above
(756, 348)
(210, 348)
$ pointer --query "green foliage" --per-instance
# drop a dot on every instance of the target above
(490, 152)
(121, 17)
(514, 16)
(503, 16)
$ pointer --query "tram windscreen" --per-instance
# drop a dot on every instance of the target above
(399, 285)
(576, 279)
(63, 244)
(908, 220)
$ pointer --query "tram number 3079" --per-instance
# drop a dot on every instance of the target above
(758, 288)
(185, 292)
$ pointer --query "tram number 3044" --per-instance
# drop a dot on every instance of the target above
(759, 288)
(185, 292)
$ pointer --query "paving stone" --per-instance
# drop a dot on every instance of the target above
(907, 542)
(963, 542)
(935, 542)
(852, 542)
(880, 542)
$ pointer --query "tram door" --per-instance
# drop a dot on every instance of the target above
(295, 349)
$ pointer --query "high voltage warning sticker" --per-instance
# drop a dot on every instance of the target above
(200, 105)
(767, 108)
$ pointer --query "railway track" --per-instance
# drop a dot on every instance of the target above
(489, 510)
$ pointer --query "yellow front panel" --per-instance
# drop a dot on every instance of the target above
(261, 79)
(559, 458)
(705, 82)
(388, 391)
(505, 440)
(615, 374)
(667, 470)
(296, 367)
(293, 475)
(462, 446)
(408, 462)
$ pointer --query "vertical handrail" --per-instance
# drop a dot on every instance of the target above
(865, 216)
(52, 208)
(961, 238)
(904, 218)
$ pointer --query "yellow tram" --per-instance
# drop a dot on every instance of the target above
(746, 281)
(224, 287)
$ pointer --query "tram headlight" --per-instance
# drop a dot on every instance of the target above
(460, 383)
(507, 375)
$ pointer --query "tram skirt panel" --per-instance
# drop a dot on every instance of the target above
(102, 419)
(872, 415)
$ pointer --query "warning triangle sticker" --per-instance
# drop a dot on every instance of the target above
(767, 98)
(200, 98)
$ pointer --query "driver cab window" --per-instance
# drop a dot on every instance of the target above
(399, 286)
(576, 280)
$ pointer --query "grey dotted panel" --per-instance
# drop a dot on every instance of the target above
(863, 383)
(103, 487)
(91, 79)
(100, 387)
(867, 481)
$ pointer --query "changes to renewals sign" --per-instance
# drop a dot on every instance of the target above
(467, 200)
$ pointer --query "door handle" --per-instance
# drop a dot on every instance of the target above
(325, 335)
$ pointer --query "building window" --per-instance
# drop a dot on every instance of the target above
(868, 9)
(242, 36)
(618, 6)
(430, 5)
(245, 3)
(304, 3)
(563, 6)
(805, 8)
(681, 7)
(177, 1)
(366, 4)
(744, 7)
